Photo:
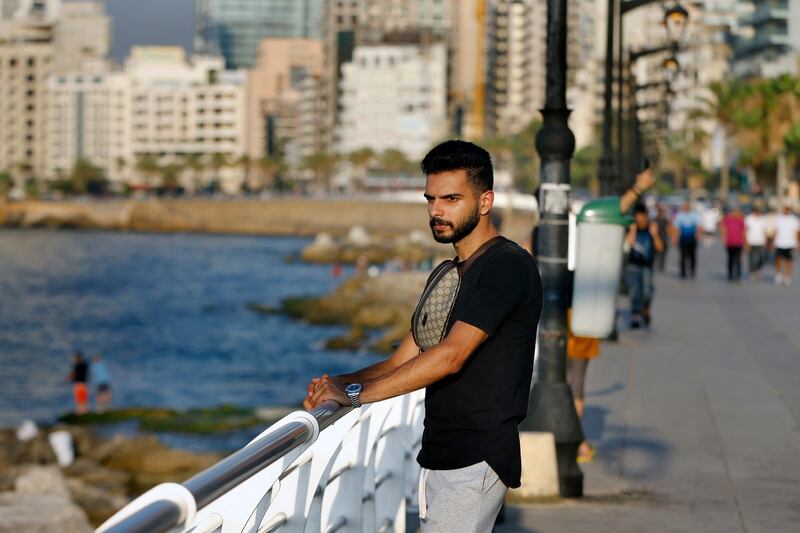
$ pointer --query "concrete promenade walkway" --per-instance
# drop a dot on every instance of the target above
(697, 421)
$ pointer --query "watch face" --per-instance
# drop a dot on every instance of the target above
(353, 388)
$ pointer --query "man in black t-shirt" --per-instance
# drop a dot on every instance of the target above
(478, 377)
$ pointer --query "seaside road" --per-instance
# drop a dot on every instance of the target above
(696, 421)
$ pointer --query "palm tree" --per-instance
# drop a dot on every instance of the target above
(169, 176)
(194, 162)
(361, 159)
(394, 162)
(147, 165)
(245, 163)
(722, 107)
(268, 169)
(321, 164)
(784, 114)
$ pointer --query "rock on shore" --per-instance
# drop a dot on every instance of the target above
(40, 502)
(37, 495)
(364, 303)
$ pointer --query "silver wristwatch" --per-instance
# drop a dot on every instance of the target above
(353, 391)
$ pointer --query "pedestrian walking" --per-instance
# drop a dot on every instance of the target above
(471, 346)
(732, 230)
(686, 233)
(663, 224)
(787, 237)
(643, 242)
(755, 242)
(80, 378)
(102, 383)
(710, 221)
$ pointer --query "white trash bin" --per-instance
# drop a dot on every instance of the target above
(598, 267)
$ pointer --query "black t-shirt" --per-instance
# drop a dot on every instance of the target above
(472, 416)
(80, 372)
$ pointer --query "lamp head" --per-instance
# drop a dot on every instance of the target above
(676, 19)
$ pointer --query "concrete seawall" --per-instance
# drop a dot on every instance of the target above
(280, 216)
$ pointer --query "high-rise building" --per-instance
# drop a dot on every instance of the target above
(394, 96)
(37, 38)
(234, 28)
(467, 67)
(769, 40)
(25, 63)
(182, 107)
(163, 106)
(515, 60)
(88, 119)
(276, 87)
(348, 23)
(83, 32)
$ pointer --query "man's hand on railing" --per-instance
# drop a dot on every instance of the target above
(323, 389)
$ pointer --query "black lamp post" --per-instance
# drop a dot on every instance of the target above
(675, 19)
(551, 408)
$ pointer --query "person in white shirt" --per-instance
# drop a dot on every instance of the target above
(710, 219)
(755, 241)
(787, 237)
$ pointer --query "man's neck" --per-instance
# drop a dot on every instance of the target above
(469, 244)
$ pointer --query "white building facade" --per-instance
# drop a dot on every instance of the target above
(88, 119)
(163, 106)
(394, 97)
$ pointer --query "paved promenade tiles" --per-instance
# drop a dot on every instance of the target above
(696, 421)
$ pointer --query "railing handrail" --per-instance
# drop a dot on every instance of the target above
(160, 512)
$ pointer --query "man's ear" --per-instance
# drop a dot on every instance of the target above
(487, 201)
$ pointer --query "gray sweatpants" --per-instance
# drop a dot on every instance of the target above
(466, 500)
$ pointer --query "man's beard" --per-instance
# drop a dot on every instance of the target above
(459, 230)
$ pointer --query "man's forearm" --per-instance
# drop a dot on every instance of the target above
(368, 373)
(417, 373)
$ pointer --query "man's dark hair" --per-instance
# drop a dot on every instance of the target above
(640, 208)
(461, 155)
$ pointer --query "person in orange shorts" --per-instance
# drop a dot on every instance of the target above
(580, 350)
(79, 378)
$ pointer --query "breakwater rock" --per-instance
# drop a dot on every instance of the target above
(104, 476)
(359, 246)
(366, 304)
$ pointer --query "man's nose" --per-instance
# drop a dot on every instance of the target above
(435, 208)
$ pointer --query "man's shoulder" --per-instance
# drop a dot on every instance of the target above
(509, 255)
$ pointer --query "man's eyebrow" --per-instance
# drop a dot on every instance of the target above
(448, 195)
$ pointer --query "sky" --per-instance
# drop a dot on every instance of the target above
(150, 22)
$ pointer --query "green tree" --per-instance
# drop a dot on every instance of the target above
(584, 168)
(722, 106)
(245, 162)
(517, 152)
(395, 163)
(360, 160)
(86, 178)
(321, 165)
(194, 162)
(170, 174)
(147, 165)
(6, 182)
(268, 169)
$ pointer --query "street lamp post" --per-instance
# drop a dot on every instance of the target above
(675, 19)
(551, 407)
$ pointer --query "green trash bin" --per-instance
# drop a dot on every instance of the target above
(598, 266)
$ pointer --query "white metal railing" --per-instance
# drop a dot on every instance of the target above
(334, 469)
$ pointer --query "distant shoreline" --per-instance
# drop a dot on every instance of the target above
(275, 217)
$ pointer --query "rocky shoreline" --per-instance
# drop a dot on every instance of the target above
(40, 493)
(281, 216)
(36, 494)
